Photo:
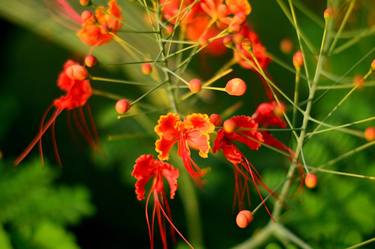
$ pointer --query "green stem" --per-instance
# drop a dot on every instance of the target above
(283, 232)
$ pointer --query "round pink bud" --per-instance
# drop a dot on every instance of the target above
(90, 60)
(76, 72)
(370, 134)
(298, 60)
(311, 180)
(146, 68)
(85, 15)
(195, 85)
(122, 106)
(244, 218)
(236, 87)
(216, 119)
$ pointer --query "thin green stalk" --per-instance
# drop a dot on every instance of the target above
(348, 154)
(361, 244)
(336, 107)
(332, 128)
(296, 97)
(334, 172)
(283, 232)
(257, 239)
(285, 189)
(301, 34)
(126, 82)
(149, 92)
(342, 26)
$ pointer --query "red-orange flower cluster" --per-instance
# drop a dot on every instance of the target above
(98, 28)
(210, 21)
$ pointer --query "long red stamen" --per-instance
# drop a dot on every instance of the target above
(255, 180)
(92, 141)
(40, 129)
(175, 228)
(80, 128)
(69, 11)
(54, 142)
(92, 124)
(38, 137)
(149, 228)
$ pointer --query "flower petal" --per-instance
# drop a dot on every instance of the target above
(198, 127)
(167, 129)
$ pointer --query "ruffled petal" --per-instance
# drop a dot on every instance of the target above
(171, 174)
(246, 132)
(143, 171)
(198, 127)
(167, 129)
(270, 114)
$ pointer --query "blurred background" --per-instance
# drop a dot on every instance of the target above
(90, 203)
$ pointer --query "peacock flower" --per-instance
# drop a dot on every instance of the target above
(244, 130)
(73, 80)
(149, 170)
(191, 133)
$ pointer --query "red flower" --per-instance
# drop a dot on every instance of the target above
(96, 28)
(245, 131)
(72, 80)
(191, 133)
(147, 169)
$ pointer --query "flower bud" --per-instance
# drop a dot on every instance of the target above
(279, 110)
(216, 119)
(286, 46)
(146, 68)
(328, 13)
(370, 134)
(373, 65)
(122, 106)
(76, 72)
(195, 85)
(298, 59)
(311, 180)
(236, 87)
(244, 218)
(84, 2)
(359, 81)
(229, 125)
(90, 60)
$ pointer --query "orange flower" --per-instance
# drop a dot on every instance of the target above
(191, 133)
(96, 29)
